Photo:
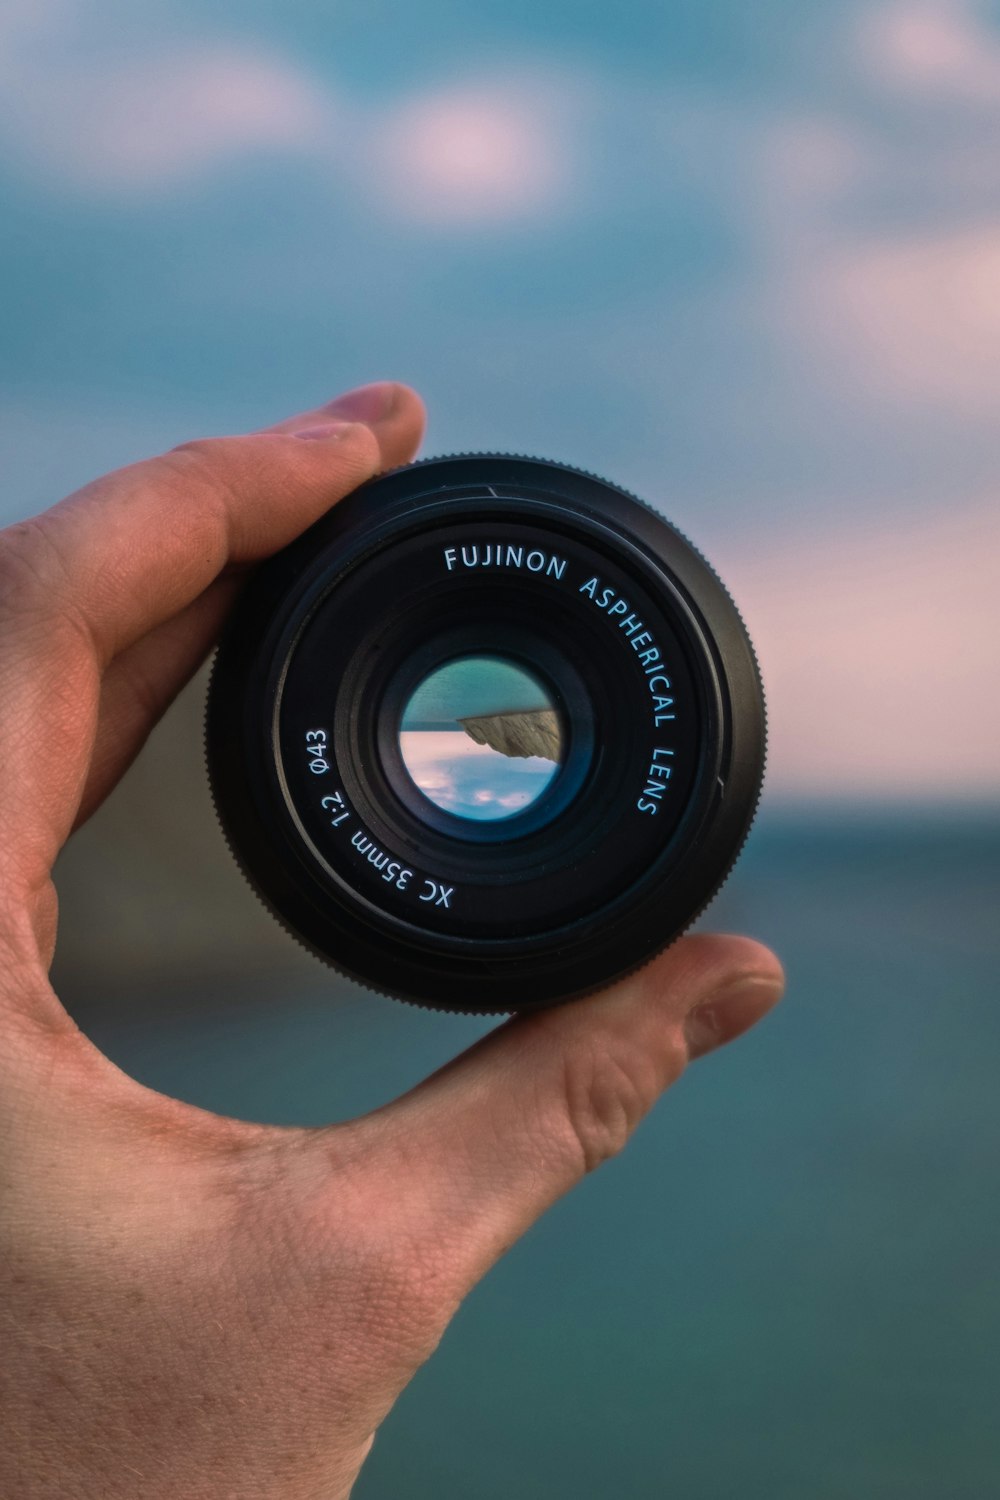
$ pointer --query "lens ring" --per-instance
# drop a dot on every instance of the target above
(574, 867)
(598, 886)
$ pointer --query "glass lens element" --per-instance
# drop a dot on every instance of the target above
(480, 737)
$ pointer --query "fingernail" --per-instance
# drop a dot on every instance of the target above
(368, 403)
(327, 430)
(731, 1011)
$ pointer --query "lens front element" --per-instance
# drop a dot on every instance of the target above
(481, 738)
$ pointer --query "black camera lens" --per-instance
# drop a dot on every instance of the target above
(488, 736)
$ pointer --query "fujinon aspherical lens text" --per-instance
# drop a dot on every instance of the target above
(488, 736)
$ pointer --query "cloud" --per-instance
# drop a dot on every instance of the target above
(915, 317)
(934, 48)
(879, 650)
(470, 779)
(108, 121)
(878, 231)
(476, 151)
(158, 122)
(104, 121)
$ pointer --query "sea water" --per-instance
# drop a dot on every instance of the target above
(788, 1287)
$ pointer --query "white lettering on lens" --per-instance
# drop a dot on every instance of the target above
(439, 894)
(653, 666)
(336, 803)
(658, 774)
(388, 869)
(504, 555)
(392, 871)
(316, 751)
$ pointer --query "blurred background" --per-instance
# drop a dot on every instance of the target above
(744, 260)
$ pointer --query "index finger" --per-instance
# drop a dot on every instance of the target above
(129, 550)
(85, 580)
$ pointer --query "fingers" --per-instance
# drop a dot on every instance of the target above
(134, 548)
(141, 683)
(143, 680)
(371, 404)
(475, 1154)
(102, 574)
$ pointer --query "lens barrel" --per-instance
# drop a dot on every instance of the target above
(488, 736)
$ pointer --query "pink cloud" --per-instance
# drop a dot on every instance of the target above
(880, 651)
(475, 152)
(932, 48)
(914, 318)
(148, 123)
(186, 112)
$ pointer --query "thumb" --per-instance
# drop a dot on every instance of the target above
(477, 1152)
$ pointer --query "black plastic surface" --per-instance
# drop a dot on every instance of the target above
(612, 862)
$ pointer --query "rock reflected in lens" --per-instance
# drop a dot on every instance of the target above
(481, 738)
(533, 731)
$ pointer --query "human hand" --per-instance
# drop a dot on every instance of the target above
(194, 1307)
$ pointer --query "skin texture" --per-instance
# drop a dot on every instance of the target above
(193, 1307)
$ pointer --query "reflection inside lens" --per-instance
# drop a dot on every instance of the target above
(481, 738)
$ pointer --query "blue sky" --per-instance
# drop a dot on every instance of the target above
(744, 259)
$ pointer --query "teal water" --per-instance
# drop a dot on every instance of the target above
(789, 1286)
